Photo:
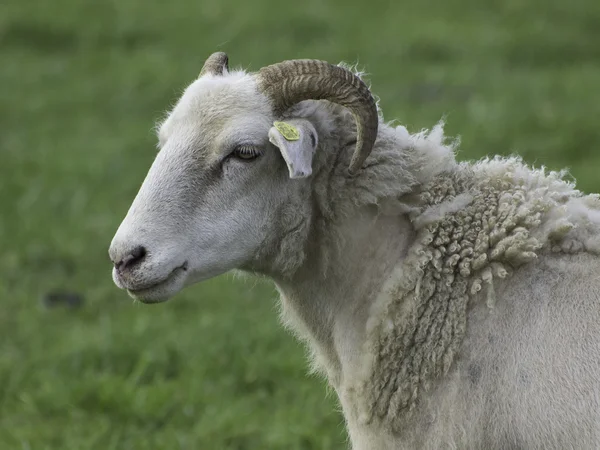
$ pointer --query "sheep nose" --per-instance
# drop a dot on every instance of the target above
(134, 257)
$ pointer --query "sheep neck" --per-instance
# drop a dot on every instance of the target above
(328, 307)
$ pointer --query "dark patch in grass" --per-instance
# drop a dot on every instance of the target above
(45, 38)
(308, 31)
(547, 54)
(305, 32)
(23, 34)
(62, 298)
(431, 51)
(432, 92)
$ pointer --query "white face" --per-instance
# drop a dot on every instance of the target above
(217, 197)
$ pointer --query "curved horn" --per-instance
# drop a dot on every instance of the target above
(290, 82)
(215, 64)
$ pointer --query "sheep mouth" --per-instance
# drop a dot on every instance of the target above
(162, 290)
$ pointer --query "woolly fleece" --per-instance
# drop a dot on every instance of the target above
(475, 223)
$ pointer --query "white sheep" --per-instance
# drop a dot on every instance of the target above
(450, 305)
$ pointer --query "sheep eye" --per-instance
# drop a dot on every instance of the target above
(246, 152)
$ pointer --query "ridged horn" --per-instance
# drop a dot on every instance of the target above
(290, 82)
(215, 64)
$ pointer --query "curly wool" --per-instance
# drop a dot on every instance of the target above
(475, 223)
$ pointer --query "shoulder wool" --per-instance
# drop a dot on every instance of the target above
(475, 223)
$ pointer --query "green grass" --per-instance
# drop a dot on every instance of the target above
(81, 84)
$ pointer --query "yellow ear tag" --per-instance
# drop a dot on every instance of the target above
(289, 132)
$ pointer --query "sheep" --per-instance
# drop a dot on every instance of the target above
(449, 304)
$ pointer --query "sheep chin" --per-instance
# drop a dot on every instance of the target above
(163, 290)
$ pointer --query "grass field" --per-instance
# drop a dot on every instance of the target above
(81, 85)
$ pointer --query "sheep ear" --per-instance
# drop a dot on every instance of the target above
(297, 140)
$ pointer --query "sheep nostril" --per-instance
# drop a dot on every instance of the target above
(133, 258)
(138, 253)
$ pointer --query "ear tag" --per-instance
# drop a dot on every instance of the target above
(289, 132)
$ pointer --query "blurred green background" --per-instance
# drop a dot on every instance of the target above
(82, 83)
